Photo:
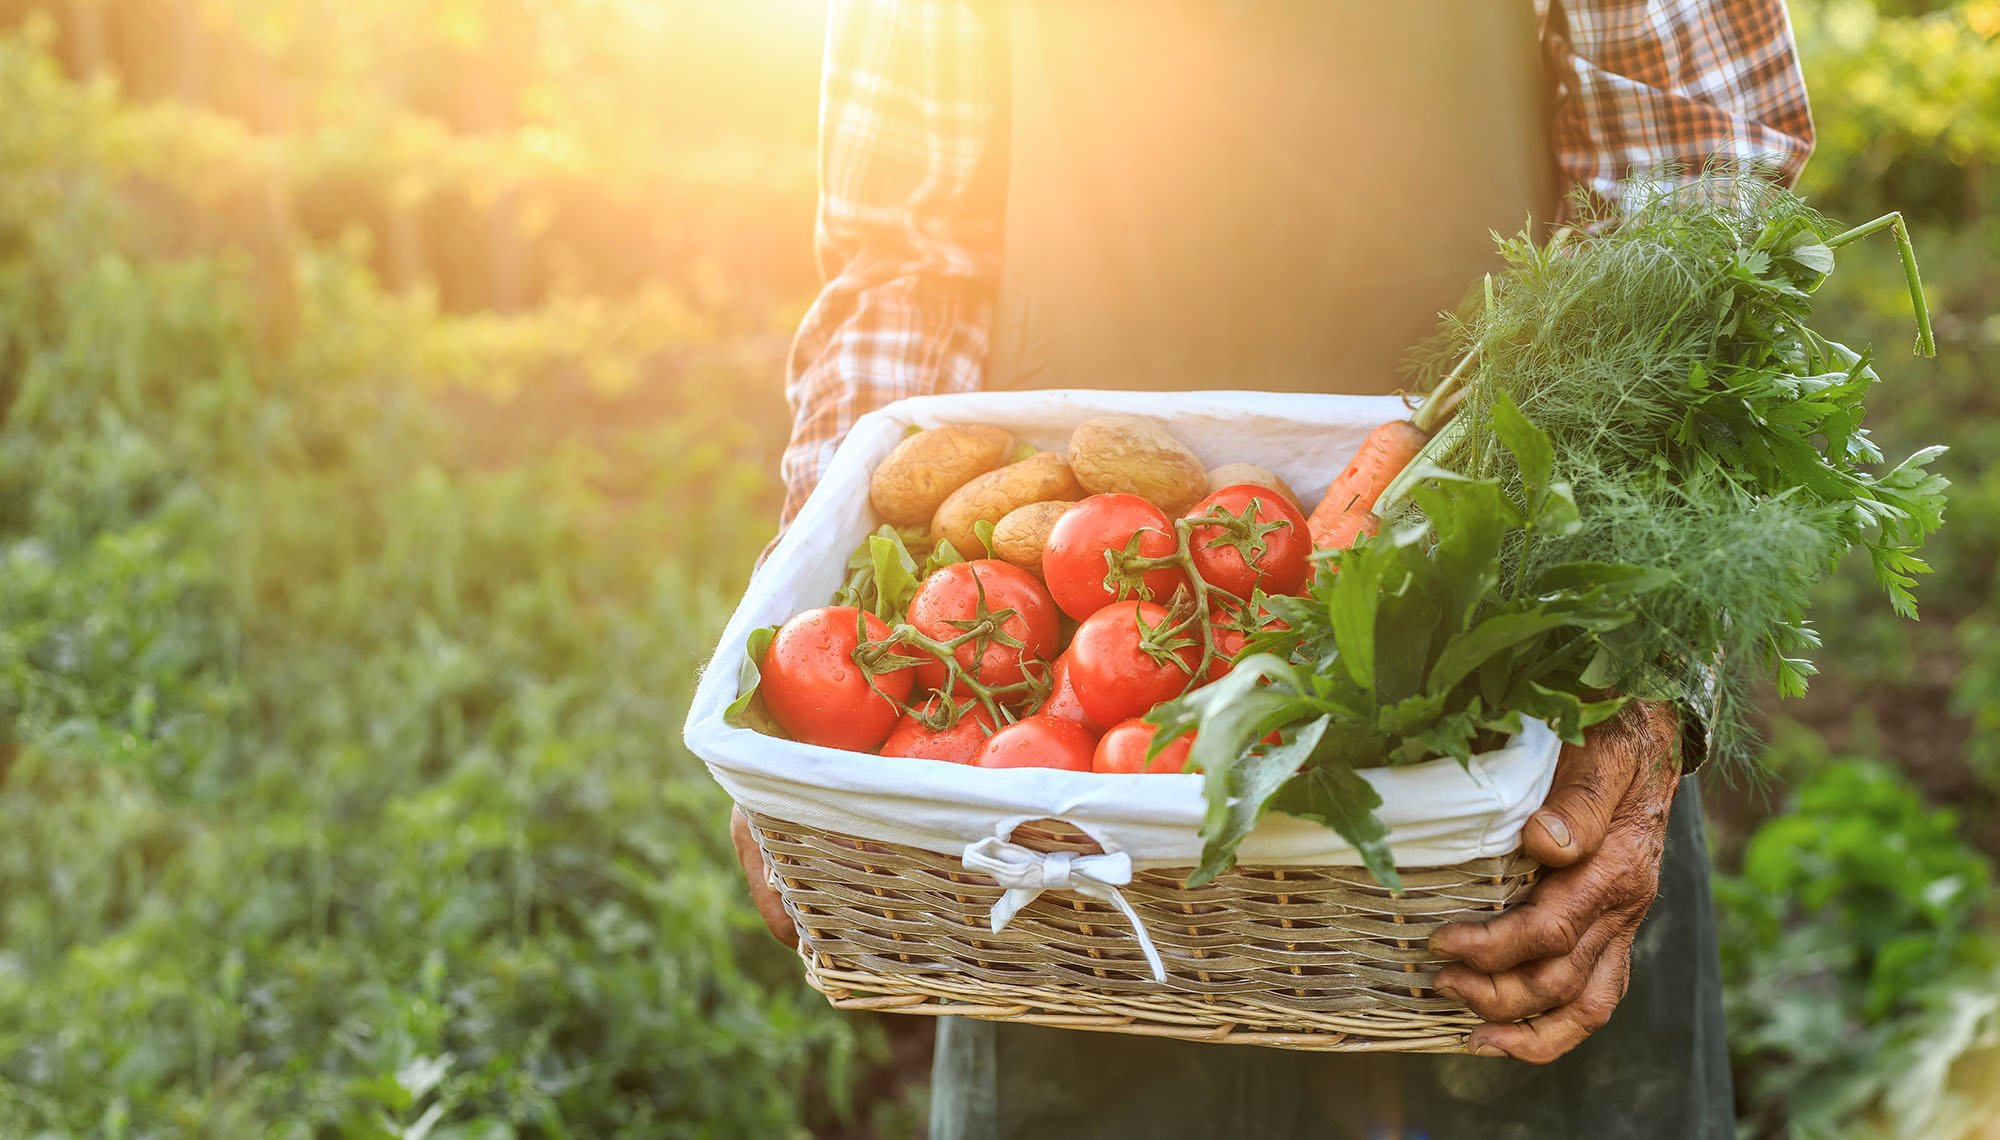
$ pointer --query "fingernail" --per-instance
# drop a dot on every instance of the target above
(1448, 993)
(1557, 829)
(1485, 1050)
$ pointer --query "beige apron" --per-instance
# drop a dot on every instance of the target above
(1281, 194)
(1227, 194)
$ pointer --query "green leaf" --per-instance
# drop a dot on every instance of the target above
(1603, 671)
(1450, 734)
(1332, 793)
(1500, 632)
(1533, 452)
(1814, 256)
(1470, 520)
(983, 530)
(1410, 715)
(1248, 783)
(882, 573)
(747, 710)
(895, 575)
(1566, 713)
(941, 555)
(1608, 578)
(1557, 515)
(1356, 593)
(1233, 713)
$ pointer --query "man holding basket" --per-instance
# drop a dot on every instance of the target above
(1280, 195)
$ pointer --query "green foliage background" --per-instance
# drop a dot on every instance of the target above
(389, 399)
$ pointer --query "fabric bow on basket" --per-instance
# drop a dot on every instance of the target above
(1027, 873)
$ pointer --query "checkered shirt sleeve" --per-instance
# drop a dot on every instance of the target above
(1646, 85)
(910, 211)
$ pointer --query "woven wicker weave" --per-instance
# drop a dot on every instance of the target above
(1318, 958)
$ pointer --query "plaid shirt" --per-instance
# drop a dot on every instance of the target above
(911, 197)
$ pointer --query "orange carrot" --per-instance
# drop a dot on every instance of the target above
(1346, 529)
(1345, 511)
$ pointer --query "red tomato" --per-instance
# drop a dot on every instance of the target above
(1229, 641)
(1074, 563)
(815, 690)
(951, 596)
(1062, 700)
(1231, 632)
(1278, 559)
(1117, 676)
(1039, 742)
(959, 744)
(1123, 749)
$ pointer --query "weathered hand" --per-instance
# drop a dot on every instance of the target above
(769, 904)
(1548, 972)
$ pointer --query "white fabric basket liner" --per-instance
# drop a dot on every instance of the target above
(1438, 812)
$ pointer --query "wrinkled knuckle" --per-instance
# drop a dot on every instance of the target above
(1484, 999)
(1491, 957)
(1461, 980)
(1593, 1011)
(1561, 935)
(1560, 984)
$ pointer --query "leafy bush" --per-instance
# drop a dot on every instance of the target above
(341, 769)
(1857, 971)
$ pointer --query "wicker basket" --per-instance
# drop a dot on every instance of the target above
(1295, 949)
(1319, 958)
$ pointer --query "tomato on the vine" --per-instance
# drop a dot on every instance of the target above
(1123, 749)
(1040, 741)
(1123, 661)
(1275, 554)
(1062, 700)
(817, 691)
(1074, 560)
(959, 744)
(1229, 638)
(948, 604)
(1230, 625)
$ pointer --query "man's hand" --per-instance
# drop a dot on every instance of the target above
(762, 892)
(1548, 972)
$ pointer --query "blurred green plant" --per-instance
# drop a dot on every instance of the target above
(339, 753)
(1859, 970)
(1906, 101)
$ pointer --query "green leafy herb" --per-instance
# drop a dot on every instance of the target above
(1413, 647)
(1698, 426)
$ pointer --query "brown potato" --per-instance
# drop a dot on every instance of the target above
(1230, 474)
(996, 494)
(908, 487)
(1021, 535)
(1136, 456)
